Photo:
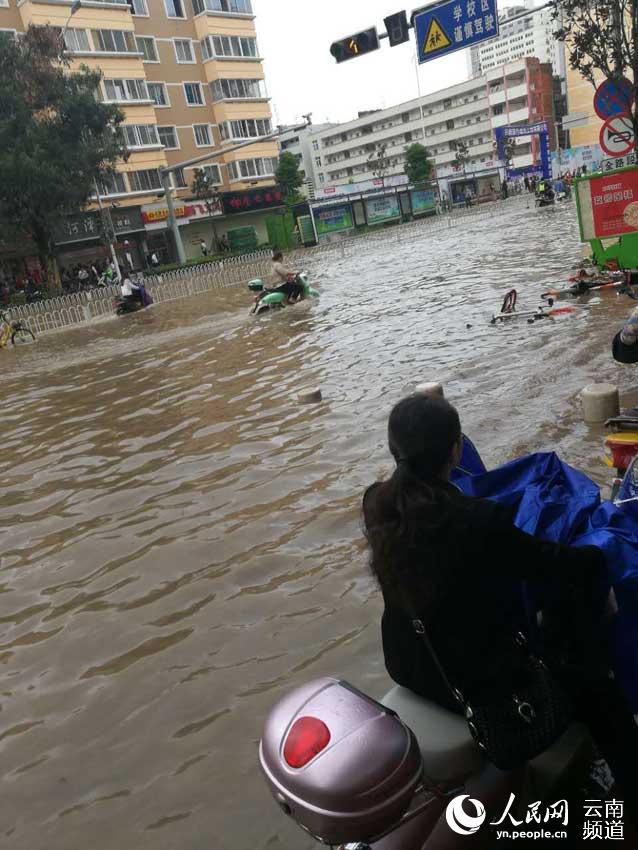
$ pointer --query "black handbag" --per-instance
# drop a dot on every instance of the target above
(518, 727)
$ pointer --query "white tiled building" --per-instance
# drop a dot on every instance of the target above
(524, 31)
(298, 141)
(465, 112)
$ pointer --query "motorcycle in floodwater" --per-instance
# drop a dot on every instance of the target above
(275, 299)
(133, 303)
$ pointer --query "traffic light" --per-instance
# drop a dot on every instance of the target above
(355, 45)
(398, 28)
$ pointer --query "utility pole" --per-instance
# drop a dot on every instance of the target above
(109, 230)
(166, 171)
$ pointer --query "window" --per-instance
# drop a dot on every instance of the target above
(237, 89)
(322, 178)
(145, 181)
(245, 168)
(157, 93)
(77, 40)
(184, 50)
(447, 104)
(140, 135)
(194, 94)
(122, 90)
(212, 172)
(113, 184)
(146, 46)
(249, 128)
(138, 7)
(229, 46)
(498, 109)
(449, 125)
(168, 137)
(174, 9)
(202, 135)
(315, 146)
(114, 41)
(229, 7)
(179, 179)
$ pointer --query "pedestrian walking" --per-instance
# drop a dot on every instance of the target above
(204, 248)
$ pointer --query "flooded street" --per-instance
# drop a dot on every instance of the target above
(181, 538)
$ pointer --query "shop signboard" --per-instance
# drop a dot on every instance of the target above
(423, 201)
(380, 210)
(88, 225)
(608, 204)
(333, 219)
(357, 188)
(251, 200)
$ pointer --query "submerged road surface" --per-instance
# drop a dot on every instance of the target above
(181, 539)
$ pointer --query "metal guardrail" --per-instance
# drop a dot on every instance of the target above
(81, 307)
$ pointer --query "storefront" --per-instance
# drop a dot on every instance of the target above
(81, 239)
(199, 222)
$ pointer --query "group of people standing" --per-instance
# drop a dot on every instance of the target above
(222, 245)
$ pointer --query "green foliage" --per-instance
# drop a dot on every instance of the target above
(56, 138)
(601, 38)
(418, 165)
(599, 35)
(380, 161)
(289, 177)
(205, 190)
(462, 155)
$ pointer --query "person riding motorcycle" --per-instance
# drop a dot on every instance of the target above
(131, 292)
(286, 279)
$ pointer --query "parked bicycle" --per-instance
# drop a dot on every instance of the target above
(14, 331)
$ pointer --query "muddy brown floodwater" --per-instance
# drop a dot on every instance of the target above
(181, 539)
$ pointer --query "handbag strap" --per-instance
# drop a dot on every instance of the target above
(419, 628)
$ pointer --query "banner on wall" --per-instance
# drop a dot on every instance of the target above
(423, 201)
(379, 210)
(608, 204)
(333, 219)
(539, 129)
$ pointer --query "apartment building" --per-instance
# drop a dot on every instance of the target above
(523, 31)
(517, 93)
(297, 140)
(189, 78)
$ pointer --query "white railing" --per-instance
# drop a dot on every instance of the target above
(75, 309)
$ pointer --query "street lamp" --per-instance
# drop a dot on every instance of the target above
(75, 7)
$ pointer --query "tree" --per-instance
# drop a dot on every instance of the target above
(601, 39)
(418, 165)
(289, 177)
(205, 190)
(380, 162)
(462, 155)
(56, 138)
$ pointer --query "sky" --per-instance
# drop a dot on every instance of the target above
(294, 37)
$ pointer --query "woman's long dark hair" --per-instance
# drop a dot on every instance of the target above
(412, 503)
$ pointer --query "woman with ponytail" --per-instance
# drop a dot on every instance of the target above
(460, 565)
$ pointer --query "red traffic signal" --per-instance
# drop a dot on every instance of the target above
(355, 45)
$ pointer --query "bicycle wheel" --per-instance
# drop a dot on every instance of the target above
(21, 336)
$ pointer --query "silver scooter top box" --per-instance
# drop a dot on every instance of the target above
(341, 765)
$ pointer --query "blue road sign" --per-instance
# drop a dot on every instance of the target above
(454, 25)
(613, 97)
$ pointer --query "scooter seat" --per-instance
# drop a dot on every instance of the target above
(449, 752)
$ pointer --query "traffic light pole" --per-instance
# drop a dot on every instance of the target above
(166, 171)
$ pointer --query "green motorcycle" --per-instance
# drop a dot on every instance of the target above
(281, 296)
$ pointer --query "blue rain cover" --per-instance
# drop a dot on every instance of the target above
(555, 502)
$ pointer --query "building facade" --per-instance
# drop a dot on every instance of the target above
(515, 94)
(524, 31)
(298, 141)
(189, 78)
